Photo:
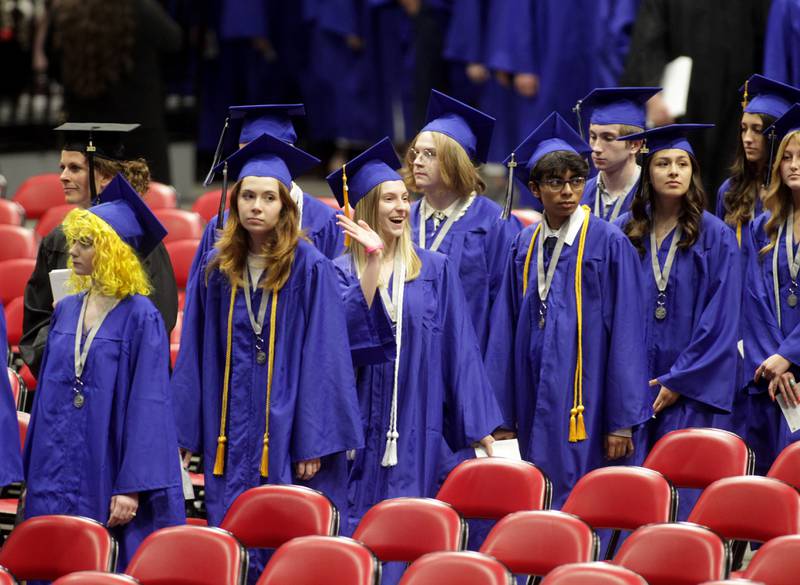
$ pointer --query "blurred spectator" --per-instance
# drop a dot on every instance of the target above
(782, 48)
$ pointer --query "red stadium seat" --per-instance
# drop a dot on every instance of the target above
(535, 543)
(197, 521)
(11, 212)
(95, 578)
(787, 465)
(777, 562)
(207, 205)
(749, 508)
(49, 547)
(527, 216)
(457, 568)
(180, 224)
(6, 578)
(181, 254)
(39, 193)
(17, 387)
(733, 582)
(18, 242)
(52, 218)
(14, 275)
(622, 498)
(675, 554)
(161, 196)
(14, 312)
(27, 377)
(695, 458)
(175, 334)
(310, 560)
(189, 554)
(330, 202)
(404, 529)
(269, 515)
(592, 574)
(23, 420)
(472, 488)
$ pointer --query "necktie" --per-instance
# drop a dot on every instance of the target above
(438, 218)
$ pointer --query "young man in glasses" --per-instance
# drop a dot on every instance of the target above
(566, 336)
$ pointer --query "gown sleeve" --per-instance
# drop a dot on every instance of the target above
(498, 246)
(778, 39)
(329, 239)
(10, 458)
(511, 37)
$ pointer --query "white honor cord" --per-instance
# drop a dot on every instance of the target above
(454, 217)
(792, 262)
(296, 194)
(599, 208)
(398, 288)
(775, 284)
(81, 356)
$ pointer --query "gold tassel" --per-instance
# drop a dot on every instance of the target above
(581, 430)
(746, 97)
(273, 324)
(526, 269)
(573, 431)
(219, 462)
(346, 192)
(577, 426)
(265, 457)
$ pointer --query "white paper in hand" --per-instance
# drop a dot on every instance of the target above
(791, 414)
(676, 80)
(508, 448)
(58, 283)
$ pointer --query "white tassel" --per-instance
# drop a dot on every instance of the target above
(390, 454)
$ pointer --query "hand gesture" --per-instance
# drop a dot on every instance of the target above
(786, 385)
(665, 398)
(360, 232)
(772, 367)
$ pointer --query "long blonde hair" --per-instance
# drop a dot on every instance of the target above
(778, 199)
(458, 173)
(367, 210)
(278, 251)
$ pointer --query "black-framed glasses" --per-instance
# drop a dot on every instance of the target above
(426, 153)
(556, 184)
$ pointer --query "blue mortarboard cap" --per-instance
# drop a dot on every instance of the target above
(267, 156)
(763, 95)
(272, 119)
(665, 137)
(129, 216)
(617, 105)
(788, 122)
(471, 128)
(551, 135)
(377, 164)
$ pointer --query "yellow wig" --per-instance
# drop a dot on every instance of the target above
(116, 270)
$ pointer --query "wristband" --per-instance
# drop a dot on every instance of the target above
(374, 249)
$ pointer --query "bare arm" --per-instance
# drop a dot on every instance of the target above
(365, 235)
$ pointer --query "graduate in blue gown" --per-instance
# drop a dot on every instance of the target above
(263, 386)
(691, 288)
(102, 440)
(772, 320)
(452, 217)
(427, 396)
(248, 123)
(782, 42)
(568, 369)
(603, 116)
(10, 459)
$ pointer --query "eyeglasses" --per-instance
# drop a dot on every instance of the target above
(426, 154)
(558, 184)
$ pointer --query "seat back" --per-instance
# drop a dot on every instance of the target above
(161, 196)
(749, 508)
(51, 218)
(310, 560)
(6, 578)
(17, 387)
(787, 465)
(622, 498)
(594, 573)
(535, 543)
(189, 555)
(180, 224)
(457, 568)
(39, 193)
(11, 212)
(527, 216)
(181, 255)
(404, 529)
(267, 516)
(23, 420)
(14, 275)
(695, 458)
(15, 313)
(493, 487)
(18, 242)
(777, 562)
(48, 547)
(207, 205)
(675, 554)
(95, 578)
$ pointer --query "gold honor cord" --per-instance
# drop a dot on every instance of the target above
(219, 462)
(346, 195)
(577, 426)
(739, 233)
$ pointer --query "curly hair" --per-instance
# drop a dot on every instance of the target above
(278, 251)
(135, 171)
(117, 271)
(95, 39)
(458, 173)
(778, 199)
(692, 205)
(739, 199)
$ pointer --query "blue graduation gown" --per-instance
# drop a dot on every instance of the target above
(767, 431)
(123, 439)
(478, 245)
(319, 224)
(445, 402)
(10, 457)
(590, 190)
(532, 370)
(782, 42)
(313, 406)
